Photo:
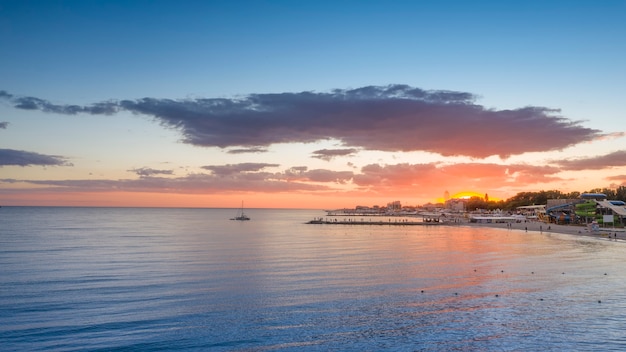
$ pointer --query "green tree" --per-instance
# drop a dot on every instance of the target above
(573, 195)
(539, 198)
(475, 203)
(620, 193)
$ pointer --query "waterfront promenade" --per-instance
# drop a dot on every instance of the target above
(608, 232)
(538, 226)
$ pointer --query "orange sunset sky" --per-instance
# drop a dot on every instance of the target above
(308, 105)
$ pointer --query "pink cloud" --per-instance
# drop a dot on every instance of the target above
(615, 159)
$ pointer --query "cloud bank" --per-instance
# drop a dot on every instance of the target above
(11, 157)
(615, 159)
(329, 154)
(384, 118)
(374, 179)
(147, 172)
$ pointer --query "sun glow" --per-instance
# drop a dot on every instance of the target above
(467, 195)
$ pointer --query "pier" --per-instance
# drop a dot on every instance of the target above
(371, 221)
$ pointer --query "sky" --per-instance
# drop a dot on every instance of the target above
(318, 104)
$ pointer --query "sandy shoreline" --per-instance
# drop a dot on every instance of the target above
(607, 233)
(535, 226)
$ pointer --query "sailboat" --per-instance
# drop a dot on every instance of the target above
(241, 216)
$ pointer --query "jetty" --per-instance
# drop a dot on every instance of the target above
(373, 221)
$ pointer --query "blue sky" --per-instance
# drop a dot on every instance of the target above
(563, 55)
(166, 48)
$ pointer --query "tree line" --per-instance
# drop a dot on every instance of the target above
(539, 198)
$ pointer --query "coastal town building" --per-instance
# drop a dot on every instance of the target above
(590, 208)
(456, 204)
(394, 206)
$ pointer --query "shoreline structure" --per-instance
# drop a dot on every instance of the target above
(538, 226)
(590, 211)
(528, 225)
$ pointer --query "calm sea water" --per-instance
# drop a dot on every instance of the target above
(88, 279)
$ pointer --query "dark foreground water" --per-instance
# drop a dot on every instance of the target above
(190, 279)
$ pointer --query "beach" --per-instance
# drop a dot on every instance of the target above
(528, 225)
(538, 226)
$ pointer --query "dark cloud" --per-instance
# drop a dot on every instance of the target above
(4, 125)
(298, 169)
(386, 118)
(11, 157)
(32, 103)
(148, 172)
(254, 150)
(329, 154)
(615, 159)
(230, 169)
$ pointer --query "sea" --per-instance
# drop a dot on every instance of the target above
(156, 279)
